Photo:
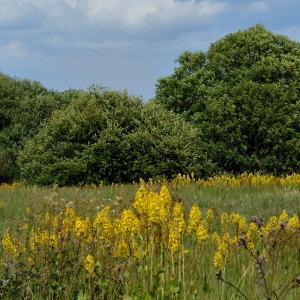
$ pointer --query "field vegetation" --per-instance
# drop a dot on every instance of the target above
(226, 237)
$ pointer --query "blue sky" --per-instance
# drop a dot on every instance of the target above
(122, 44)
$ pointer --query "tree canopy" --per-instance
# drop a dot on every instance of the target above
(244, 96)
(112, 137)
(24, 106)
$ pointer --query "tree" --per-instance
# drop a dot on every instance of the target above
(24, 106)
(244, 96)
(112, 137)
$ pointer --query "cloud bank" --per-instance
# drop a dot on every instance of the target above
(121, 43)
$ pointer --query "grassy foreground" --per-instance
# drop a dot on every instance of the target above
(116, 243)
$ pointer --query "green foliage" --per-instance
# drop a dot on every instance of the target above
(109, 136)
(244, 96)
(24, 106)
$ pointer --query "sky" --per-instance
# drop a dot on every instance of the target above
(123, 44)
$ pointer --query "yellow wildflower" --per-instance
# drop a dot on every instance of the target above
(121, 249)
(251, 236)
(81, 227)
(194, 219)
(89, 264)
(165, 196)
(202, 231)
(176, 227)
(38, 238)
(53, 240)
(224, 221)
(271, 226)
(239, 222)
(9, 245)
(140, 199)
(127, 228)
(294, 222)
(103, 224)
(218, 260)
(283, 217)
(128, 223)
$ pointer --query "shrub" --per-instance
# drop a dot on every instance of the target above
(110, 136)
(24, 106)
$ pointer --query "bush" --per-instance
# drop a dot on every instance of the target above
(110, 136)
(244, 96)
(24, 106)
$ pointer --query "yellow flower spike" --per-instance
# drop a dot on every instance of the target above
(218, 260)
(140, 200)
(239, 222)
(202, 231)
(128, 223)
(38, 239)
(194, 219)
(271, 226)
(103, 224)
(9, 245)
(251, 247)
(216, 238)
(283, 217)
(121, 249)
(252, 236)
(294, 222)
(89, 264)
(43, 238)
(165, 196)
(176, 227)
(81, 227)
(127, 228)
(224, 221)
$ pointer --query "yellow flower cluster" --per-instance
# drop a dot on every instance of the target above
(155, 224)
(237, 233)
(177, 227)
(126, 229)
(9, 245)
(89, 263)
(10, 186)
(153, 207)
(239, 180)
(197, 225)
(103, 224)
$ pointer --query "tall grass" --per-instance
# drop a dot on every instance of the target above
(187, 273)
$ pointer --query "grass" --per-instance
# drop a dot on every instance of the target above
(262, 201)
(153, 278)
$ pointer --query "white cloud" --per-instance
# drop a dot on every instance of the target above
(134, 13)
(258, 6)
(12, 50)
(129, 13)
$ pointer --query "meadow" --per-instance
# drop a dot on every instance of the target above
(223, 238)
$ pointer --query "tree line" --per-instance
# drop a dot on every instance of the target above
(234, 108)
